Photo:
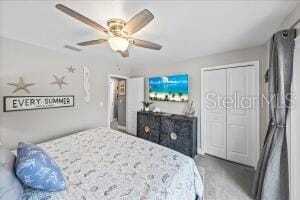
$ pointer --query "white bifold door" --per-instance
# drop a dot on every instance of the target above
(215, 116)
(135, 98)
(230, 114)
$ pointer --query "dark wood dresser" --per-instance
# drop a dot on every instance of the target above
(177, 132)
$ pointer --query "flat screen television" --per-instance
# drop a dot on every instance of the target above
(169, 88)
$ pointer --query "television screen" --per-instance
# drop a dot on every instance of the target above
(169, 88)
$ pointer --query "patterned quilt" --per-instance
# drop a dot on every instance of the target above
(105, 164)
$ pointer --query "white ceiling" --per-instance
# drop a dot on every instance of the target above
(186, 29)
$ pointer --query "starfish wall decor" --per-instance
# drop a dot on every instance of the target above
(71, 69)
(21, 85)
(59, 81)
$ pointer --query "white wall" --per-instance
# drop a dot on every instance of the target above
(37, 65)
(193, 66)
(295, 127)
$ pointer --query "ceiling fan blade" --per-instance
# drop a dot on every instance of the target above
(145, 44)
(92, 42)
(138, 21)
(125, 53)
(81, 18)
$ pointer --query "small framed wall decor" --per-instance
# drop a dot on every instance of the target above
(19, 103)
(122, 87)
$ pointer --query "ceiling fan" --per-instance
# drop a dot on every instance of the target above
(119, 30)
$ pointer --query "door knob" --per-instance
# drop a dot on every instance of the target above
(173, 136)
(147, 129)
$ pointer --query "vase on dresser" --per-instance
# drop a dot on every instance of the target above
(146, 105)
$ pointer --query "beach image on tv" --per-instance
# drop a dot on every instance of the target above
(169, 88)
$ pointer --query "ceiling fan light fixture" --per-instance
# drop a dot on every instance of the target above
(118, 44)
(119, 30)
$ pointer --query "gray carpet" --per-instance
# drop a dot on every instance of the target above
(225, 180)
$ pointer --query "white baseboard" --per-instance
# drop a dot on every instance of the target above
(123, 128)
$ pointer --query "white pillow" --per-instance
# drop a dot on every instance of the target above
(10, 186)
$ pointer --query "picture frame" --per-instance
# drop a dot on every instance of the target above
(122, 87)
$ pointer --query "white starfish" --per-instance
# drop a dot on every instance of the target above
(71, 69)
(21, 85)
(59, 81)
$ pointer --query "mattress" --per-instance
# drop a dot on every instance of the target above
(106, 164)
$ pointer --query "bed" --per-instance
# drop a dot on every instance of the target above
(106, 164)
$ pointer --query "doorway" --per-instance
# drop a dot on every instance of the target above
(117, 101)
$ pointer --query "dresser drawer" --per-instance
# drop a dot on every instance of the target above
(177, 134)
(148, 127)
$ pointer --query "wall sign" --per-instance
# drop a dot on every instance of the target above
(18, 103)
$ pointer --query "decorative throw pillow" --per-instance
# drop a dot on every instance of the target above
(35, 168)
(10, 187)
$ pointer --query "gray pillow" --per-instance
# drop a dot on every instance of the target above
(10, 186)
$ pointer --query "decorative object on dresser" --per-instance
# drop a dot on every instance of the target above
(190, 109)
(146, 105)
(156, 109)
(177, 132)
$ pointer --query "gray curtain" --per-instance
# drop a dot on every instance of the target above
(271, 180)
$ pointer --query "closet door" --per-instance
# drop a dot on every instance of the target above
(240, 117)
(214, 115)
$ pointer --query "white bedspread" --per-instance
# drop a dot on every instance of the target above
(106, 164)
